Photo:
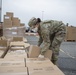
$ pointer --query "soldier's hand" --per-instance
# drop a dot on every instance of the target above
(41, 56)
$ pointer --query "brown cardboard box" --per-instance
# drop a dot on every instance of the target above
(22, 24)
(6, 17)
(10, 14)
(7, 23)
(17, 38)
(36, 62)
(15, 22)
(71, 33)
(13, 71)
(51, 70)
(4, 43)
(34, 52)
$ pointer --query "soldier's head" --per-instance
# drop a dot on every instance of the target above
(33, 22)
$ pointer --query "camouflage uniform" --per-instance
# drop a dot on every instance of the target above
(51, 33)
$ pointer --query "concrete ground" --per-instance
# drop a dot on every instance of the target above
(67, 56)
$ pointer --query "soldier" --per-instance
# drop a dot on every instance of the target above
(51, 33)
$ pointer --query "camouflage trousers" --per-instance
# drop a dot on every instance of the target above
(56, 40)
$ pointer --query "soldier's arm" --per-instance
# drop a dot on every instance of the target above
(40, 41)
(46, 41)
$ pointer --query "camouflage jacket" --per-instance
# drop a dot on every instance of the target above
(47, 28)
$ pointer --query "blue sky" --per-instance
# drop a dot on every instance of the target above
(62, 10)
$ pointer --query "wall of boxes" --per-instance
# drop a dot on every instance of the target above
(12, 26)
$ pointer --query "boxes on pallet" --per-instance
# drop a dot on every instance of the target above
(13, 71)
(15, 22)
(34, 52)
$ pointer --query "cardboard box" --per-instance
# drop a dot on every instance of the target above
(12, 63)
(51, 70)
(36, 62)
(34, 52)
(17, 38)
(15, 22)
(22, 24)
(71, 33)
(3, 43)
(10, 14)
(7, 17)
(13, 71)
(7, 23)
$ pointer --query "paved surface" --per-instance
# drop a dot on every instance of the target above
(67, 57)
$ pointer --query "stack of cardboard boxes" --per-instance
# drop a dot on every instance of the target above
(18, 63)
(12, 26)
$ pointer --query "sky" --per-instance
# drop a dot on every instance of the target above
(61, 10)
